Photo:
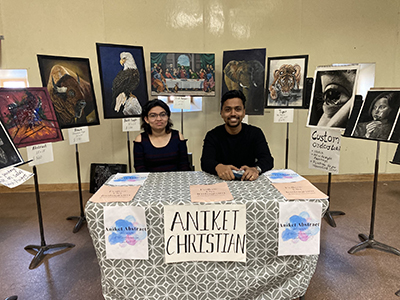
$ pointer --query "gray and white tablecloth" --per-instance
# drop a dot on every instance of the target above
(265, 275)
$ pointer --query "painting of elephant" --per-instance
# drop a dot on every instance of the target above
(245, 70)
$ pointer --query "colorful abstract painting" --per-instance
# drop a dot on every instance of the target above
(29, 116)
(70, 85)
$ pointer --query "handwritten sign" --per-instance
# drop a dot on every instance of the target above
(131, 124)
(210, 193)
(182, 102)
(283, 115)
(325, 150)
(12, 177)
(299, 228)
(78, 135)
(299, 190)
(125, 232)
(40, 154)
(205, 232)
(114, 193)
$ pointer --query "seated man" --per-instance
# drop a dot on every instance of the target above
(235, 145)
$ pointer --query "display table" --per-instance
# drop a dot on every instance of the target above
(264, 276)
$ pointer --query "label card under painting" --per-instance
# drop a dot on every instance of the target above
(131, 124)
(12, 177)
(299, 228)
(205, 232)
(78, 135)
(182, 102)
(40, 154)
(283, 115)
(125, 232)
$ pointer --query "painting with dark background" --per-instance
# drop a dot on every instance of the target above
(182, 74)
(123, 80)
(245, 70)
(29, 116)
(70, 85)
(9, 155)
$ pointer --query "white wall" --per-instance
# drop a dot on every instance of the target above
(338, 31)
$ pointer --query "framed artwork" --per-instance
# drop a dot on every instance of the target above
(123, 80)
(99, 174)
(182, 74)
(286, 81)
(29, 116)
(377, 117)
(9, 154)
(332, 96)
(245, 70)
(396, 157)
(70, 85)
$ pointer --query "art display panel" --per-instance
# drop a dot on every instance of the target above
(123, 80)
(245, 70)
(9, 154)
(70, 85)
(182, 74)
(29, 116)
(332, 96)
(285, 84)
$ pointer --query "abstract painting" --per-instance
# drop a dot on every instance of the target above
(123, 80)
(70, 85)
(29, 116)
(286, 81)
(245, 70)
(9, 155)
(182, 74)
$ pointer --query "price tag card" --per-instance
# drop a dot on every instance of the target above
(283, 115)
(246, 119)
(182, 102)
(131, 124)
(78, 135)
(40, 154)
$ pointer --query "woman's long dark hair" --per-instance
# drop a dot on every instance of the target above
(145, 113)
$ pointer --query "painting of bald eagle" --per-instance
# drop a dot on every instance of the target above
(126, 81)
(123, 80)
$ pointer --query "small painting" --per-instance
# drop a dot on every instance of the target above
(332, 96)
(286, 77)
(123, 80)
(70, 85)
(9, 155)
(29, 116)
(182, 74)
(245, 70)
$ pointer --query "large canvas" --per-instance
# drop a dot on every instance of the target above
(29, 116)
(70, 85)
(332, 96)
(286, 77)
(245, 70)
(378, 117)
(9, 155)
(183, 74)
(123, 80)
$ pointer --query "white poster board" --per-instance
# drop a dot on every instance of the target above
(325, 150)
(205, 233)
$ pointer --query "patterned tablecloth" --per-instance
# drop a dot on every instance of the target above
(264, 276)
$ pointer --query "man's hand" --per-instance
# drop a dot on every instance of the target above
(249, 174)
(225, 171)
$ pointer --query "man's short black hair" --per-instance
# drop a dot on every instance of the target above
(233, 94)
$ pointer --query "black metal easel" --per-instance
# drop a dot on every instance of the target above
(42, 248)
(329, 214)
(81, 219)
(369, 242)
(129, 153)
(287, 146)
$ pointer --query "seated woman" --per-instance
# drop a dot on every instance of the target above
(159, 148)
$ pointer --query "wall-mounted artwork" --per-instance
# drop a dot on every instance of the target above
(332, 96)
(29, 116)
(70, 85)
(182, 74)
(378, 117)
(9, 155)
(245, 70)
(286, 77)
(123, 80)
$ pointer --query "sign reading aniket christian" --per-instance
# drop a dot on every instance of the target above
(205, 233)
